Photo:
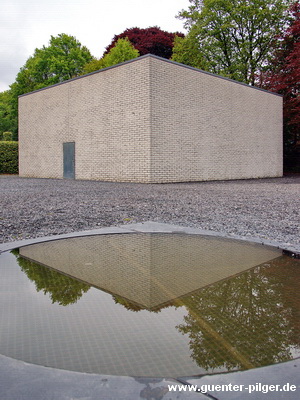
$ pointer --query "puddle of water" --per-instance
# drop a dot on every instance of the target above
(149, 305)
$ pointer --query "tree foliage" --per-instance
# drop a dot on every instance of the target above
(60, 288)
(63, 59)
(247, 320)
(283, 77)
(92, 66)
(7, 120)
(7, 136)
(149, 40)
(122, 51)
(230, 37)
(9, 157)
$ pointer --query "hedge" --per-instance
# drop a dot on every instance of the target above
(9, 158)
(7, 136)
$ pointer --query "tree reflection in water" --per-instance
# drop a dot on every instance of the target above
(61, 289)
(247, 321)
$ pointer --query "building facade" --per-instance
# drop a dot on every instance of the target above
(150, 120)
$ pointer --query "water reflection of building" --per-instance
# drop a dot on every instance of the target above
(149, 269)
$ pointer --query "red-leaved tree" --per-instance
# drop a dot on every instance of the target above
(284, 78)
(149, 40)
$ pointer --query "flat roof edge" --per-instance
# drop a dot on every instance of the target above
(158, 58)
(214, 75)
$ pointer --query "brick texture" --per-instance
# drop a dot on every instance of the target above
(152, 120)
(149, 269)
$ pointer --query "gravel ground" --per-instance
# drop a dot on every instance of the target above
(266, 208)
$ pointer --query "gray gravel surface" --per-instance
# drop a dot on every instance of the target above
(265, 208)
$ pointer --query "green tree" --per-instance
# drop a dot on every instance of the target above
(187, 51)
(7, 121)
(92, 66)
(63, 59)
(122, 51)
(230, 37)
(283, 76)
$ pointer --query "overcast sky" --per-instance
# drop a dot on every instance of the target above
(28, 24)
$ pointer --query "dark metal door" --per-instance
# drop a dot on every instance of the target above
(69, 160)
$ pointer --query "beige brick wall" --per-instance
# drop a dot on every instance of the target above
(151, 120)
(106, 114)
(205, 128)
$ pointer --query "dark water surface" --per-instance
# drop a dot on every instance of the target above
(149, 304)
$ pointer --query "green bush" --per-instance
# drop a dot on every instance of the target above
(7, 136)
(9, 157)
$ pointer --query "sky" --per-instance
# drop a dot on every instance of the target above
(28, 24)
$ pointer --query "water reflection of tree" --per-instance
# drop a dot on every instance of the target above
(129, 305)
(61, 289)
(246, 321)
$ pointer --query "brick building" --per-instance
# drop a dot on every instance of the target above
(150, 120)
